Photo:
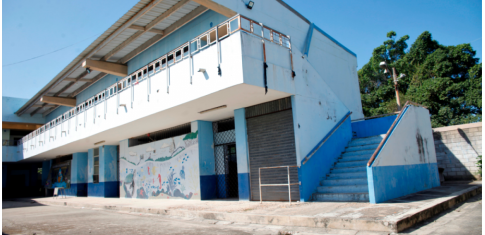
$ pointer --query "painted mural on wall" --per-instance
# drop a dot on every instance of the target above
(59, 176)
(163, 169)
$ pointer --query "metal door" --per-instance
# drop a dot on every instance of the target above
(271, 142)
(225, 158)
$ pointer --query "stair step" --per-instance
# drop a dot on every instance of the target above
(343, 189)
(359, 152)
(351, 175)
(339, 182)
(367, 140)
(348, 169)
(362, 147)
(341, 164)
(341, 197)
(364, 157)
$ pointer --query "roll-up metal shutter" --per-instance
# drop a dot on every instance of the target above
(271, 143)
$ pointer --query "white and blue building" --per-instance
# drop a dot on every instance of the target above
(207, 99)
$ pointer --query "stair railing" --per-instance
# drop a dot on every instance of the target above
(326, 138)
(372, 158)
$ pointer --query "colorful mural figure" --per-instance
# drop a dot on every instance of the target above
(163, 169)
(59, 176)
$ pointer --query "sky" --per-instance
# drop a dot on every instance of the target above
(31, 28)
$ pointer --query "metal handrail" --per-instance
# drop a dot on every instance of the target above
(288, 184)
(372, 158)
(326, 138)
(274, 36)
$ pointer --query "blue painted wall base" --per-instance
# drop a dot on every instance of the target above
(208, 187)
(372, 127)
(77, 190)
(389, 182)
(104, 189)
(322, 161)
(243, 186)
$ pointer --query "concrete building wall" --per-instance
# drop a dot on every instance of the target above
(407, 161)
(164, 169)
(457, 149)
(10, 105)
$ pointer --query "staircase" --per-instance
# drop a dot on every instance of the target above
(347, 180)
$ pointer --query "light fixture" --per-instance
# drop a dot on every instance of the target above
(100, 142)
(250, 5)
(212, 109)
(88, 70)
(383, 65)
(201, 70)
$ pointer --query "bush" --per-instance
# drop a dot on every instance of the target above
(479, 164)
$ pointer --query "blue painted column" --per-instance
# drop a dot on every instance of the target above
(242, 152)
(79, 175)
(206, 158)
(108, 172)
(46, 168)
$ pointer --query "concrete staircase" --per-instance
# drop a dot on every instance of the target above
(347, 180)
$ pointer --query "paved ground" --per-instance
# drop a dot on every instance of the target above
(390, 216)
(32, 218)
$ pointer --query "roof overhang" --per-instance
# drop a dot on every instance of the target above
(141, 27)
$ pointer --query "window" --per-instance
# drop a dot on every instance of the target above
(96, 166)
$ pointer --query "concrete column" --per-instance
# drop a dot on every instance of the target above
(108, 172)
(79, 175)
(207, 172)
(242, 155)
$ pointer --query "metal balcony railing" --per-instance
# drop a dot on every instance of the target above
(163, 63)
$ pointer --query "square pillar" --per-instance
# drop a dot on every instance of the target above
(108, 185)
(79, 175)
(242, 154)
(207, 171)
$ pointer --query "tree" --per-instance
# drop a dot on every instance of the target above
(446, 79)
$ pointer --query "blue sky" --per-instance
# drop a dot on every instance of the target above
(32, 28)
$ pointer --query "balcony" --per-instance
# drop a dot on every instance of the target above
(179, 87)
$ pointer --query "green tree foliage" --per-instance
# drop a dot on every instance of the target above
(446, 79)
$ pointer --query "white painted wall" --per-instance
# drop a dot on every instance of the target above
(336, 66)
(412, 139)
(316, 107)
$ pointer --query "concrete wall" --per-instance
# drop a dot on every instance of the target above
(206, 159)
(310, 173)
(11, 154)
(407, 161)
(457, 149)
(316, 108)
(165, 169)
(79, 175)
(10, 105)
(108, 172)
(372, 127)
(242, 150)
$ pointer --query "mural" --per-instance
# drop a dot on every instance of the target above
(163, 169)
(59, 176)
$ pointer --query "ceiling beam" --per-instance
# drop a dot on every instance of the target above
(152, 24)
(176, 25)
(76, 80)
(48, 111)
(141, 28)
(37, 110)
(217, 7)
(70, 102)
(20, 126)
(106, 67)
(105, 42)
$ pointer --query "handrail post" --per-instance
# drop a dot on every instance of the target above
(289, 186)
(260, 192)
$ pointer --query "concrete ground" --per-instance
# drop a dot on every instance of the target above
(392, 216)
(33, 218)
